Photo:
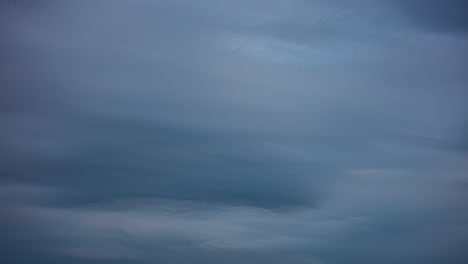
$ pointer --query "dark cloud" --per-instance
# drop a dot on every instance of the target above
(444, 16)
(233, 131)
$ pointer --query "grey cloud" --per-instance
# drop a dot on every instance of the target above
(232, 131)
(363, 208)
(444, 16)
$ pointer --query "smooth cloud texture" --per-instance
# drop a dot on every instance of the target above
(233, 131)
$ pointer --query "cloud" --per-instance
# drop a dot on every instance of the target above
(233, 131)
(447, 16)
(154, 229)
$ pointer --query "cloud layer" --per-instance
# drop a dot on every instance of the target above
(233, 131)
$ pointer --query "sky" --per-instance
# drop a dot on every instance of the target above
(243, 131)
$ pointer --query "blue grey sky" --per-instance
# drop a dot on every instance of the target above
(243, 131)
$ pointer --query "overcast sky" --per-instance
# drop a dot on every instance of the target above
(243, 131)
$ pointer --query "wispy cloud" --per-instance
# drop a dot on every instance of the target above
(233, 131)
